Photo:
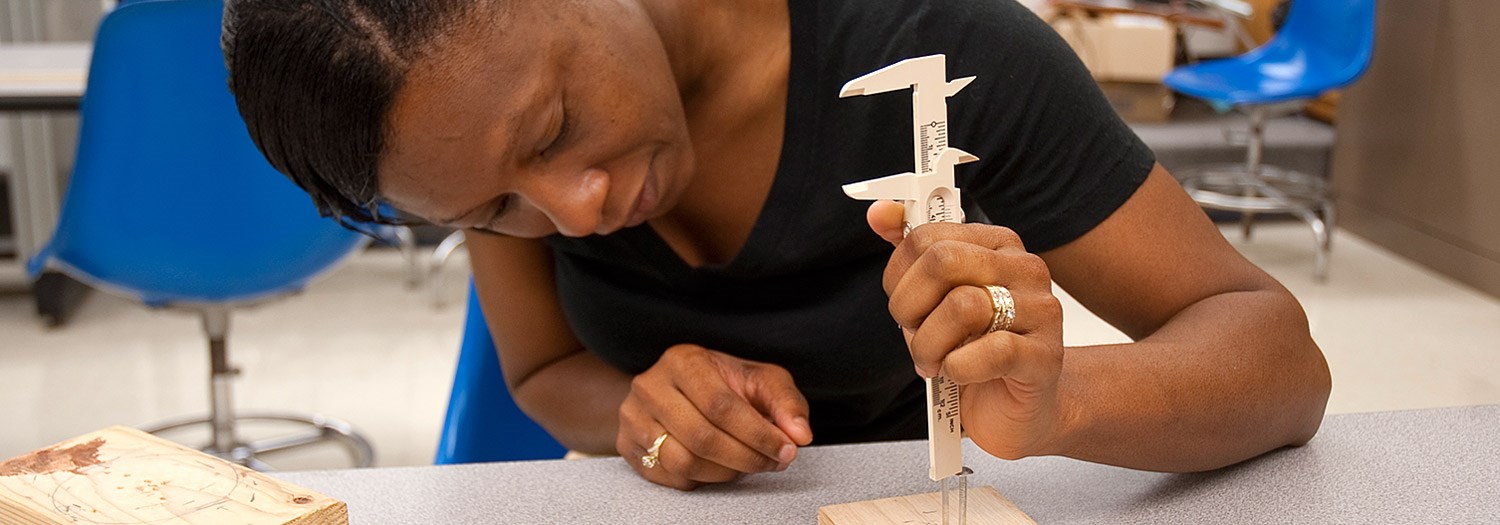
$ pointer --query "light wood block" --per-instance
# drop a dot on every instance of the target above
(123, 476)
(986, 507)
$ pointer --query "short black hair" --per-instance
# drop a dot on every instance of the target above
(314, 80)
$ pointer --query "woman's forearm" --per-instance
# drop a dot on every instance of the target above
(577, 399)
(1228, 378)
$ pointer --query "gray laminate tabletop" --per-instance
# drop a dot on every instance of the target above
(43, 76)
(1421, 466)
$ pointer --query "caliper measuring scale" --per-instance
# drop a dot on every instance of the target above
(929, 195)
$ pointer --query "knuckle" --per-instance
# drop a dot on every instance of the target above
(640, 383)
(702, 441)
(1050, 306)
(1006, 237)
(720, 406)
(676, 353)
(945, 256)
(698, 470)
(626, 412)
(776, 375)
(624, 447)
(694, 469)
(971, 299)
(901, 315)
(1033, 267)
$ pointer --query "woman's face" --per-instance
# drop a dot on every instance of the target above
(557, 117)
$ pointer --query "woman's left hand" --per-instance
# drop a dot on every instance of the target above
(1008, 378)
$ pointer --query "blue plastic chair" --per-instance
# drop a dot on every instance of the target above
(483, 422)
(1324, 45)
(170, 203)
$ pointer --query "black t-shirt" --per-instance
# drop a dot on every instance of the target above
(805, 290)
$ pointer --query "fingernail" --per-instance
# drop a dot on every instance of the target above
(788, 451)
(801, 423)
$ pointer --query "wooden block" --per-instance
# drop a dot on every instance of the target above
(986, 507)
(124, 476)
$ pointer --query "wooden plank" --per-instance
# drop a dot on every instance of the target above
(986, 507)
(121, 475)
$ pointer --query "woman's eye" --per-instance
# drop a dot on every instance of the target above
(500, 209)
(562, 132)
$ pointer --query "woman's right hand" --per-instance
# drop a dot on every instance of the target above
(724, 417)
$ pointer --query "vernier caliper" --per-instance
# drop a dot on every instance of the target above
(929, 195)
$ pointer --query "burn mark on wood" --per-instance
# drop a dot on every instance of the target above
(55, 459)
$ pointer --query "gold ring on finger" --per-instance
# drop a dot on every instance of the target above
(1005, 308)
(653, 454)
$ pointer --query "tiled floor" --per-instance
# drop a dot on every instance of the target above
(361, 346)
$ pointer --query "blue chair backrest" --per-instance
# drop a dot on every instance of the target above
(483, 422)
(1337, 37)
(169, 199)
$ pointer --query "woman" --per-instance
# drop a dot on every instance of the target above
(651, 191)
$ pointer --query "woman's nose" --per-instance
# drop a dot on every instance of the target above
(574, 203)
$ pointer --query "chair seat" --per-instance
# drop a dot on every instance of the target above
(1258, 78)
(1283, 69)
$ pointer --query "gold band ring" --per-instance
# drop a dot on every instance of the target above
(653, 454)
(1005, 308)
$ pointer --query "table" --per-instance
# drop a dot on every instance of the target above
(1423, 466)
(37, 78)
(43, 76)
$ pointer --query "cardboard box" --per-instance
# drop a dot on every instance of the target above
(1124, 48)
(1142, 102)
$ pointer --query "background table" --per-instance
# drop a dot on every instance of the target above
(45, 76)
(1426, 466)
(36, 81)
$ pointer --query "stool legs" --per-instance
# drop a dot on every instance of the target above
(406, 241)
(221, 373)
(1253, 165)
(1254, 188)
(223, 423)
(440, 256)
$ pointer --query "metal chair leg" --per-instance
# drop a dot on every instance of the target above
(222, 422)
(1321, 239)
(221, 374)
(320, 429)
(1253, 151)
(1329, 217)
(406, 241)
(1253, 188)
(440, 257)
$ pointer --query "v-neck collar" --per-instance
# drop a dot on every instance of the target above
(788, 193)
